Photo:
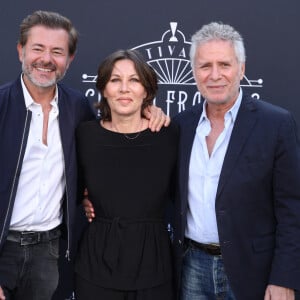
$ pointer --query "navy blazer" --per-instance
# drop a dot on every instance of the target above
(14, 128)
(258, 198)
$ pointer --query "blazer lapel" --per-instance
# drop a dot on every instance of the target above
(188, 128)
(243, 125)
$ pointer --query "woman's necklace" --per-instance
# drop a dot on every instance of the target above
(129, 136)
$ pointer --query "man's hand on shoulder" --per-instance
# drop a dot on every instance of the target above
(157, 118)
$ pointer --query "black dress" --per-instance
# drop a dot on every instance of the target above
(129, 181)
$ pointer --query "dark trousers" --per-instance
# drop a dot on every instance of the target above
(29, 272)
(85, 290)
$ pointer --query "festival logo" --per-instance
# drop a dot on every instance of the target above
(169, 57)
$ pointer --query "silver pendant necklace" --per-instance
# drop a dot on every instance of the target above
(129, 136)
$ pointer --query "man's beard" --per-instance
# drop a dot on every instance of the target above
(27, 70)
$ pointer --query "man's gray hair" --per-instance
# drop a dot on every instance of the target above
(218, 31)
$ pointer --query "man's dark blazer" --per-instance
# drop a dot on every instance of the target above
(258, 198)
(15, 120)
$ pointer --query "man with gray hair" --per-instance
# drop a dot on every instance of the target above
(237, 230)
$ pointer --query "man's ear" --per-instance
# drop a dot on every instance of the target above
(243, 67)
(71, 57)
(20, 52)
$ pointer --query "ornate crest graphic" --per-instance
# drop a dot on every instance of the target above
(169, 57)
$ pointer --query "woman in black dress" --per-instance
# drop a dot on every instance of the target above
(128, 172)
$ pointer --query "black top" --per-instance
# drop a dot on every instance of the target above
(129, 180)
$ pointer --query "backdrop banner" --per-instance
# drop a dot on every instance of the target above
(161, 31)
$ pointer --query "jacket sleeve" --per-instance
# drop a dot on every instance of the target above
(286, 192)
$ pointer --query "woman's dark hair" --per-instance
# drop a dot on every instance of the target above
(145, 72)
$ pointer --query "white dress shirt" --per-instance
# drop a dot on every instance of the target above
(38, 203)
(204, 174)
